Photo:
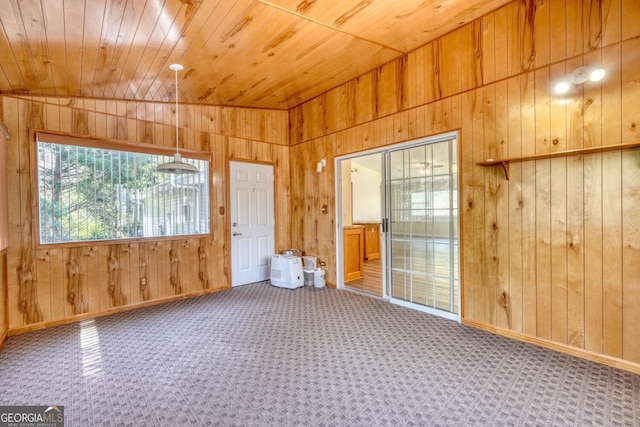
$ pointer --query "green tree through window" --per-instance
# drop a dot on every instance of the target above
(87, 193)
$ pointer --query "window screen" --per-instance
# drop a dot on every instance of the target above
(90, 193)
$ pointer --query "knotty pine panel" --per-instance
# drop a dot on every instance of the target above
(182, 246)
(513, 283)
(543, 249)
(514, 41)
(3, 189)
(592, 109)
(479, 274)
(387, 87)
(515, 208)
(134, 273)
(575, 248)
(51, 264)
(4, 312)
(42, 282)
(93, 298)
(558, 111)
(335, 107)
(556, 243)
(444, 57)
(529, 244)
(558, 249)
(471, 55)
(148, 271)
(611, 15)
(612, 260)
(503, 253)
(466, 179)
(541, 31)
(542, 83)
(501, 44)
(630, 255)
(630, 17)
(4, 309)
(488, 25)
(593, 249)
(413, 63)
(102, 281)
(163, 248)
(218, 196)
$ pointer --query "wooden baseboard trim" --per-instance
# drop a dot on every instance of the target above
(86, 316)
(3, 339)
(562, 348)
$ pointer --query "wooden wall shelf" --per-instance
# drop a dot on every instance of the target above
(588, 150)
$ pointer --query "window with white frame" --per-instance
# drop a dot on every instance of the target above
(91, 191)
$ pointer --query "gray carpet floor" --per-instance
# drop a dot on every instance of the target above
(258, 355)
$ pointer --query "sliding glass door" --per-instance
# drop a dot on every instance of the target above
(423, 231)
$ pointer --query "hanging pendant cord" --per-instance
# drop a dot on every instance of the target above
(177, 113)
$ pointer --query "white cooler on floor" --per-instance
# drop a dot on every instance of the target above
(286, 271)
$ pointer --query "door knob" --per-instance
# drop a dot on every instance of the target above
(236, 234)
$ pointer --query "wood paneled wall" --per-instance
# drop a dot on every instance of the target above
(313, 203)
(4, 303)
(4, 306)
(48, 285)
(553, 254)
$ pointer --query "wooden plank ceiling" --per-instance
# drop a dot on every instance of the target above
(253, 53)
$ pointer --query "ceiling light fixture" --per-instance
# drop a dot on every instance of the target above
(580, 75)
(177, 166)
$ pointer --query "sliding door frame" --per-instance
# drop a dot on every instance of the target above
(339, 224)
(386, 244)
(429, 275)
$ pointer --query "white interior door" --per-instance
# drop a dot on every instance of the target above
(252, 222)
